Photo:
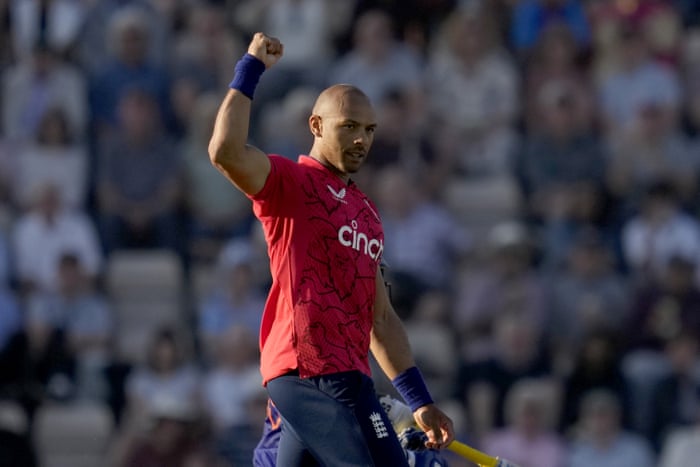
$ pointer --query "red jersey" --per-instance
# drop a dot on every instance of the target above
(325, 242)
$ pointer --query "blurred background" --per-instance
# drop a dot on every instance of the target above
(536, 166)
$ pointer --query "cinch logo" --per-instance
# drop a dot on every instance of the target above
(358, 241)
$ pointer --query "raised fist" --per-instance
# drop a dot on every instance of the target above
(266, 49)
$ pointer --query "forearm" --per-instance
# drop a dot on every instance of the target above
(389, 345)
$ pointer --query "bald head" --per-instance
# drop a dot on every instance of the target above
(343, 123)
(333, 99)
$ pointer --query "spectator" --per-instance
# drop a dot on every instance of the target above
(216, 212)
(484, 382)
(167, 372)
(7, 47)
(58, 23)
(45, 232)
(528, 437)
(235, 301)
(230, 387)
(16, 447)
(561, 169)
(139, 180)
(675, 398)
(639, 80)
(472, 95)
(96, 40)
(378, 63)
(660, 231)
(650, 148)
(233, 379)
(53, 156)
(588, 295)
(42, 82)
(284, 124)
(532, 17)
(84, 320)
(422, 242)
(597, 365)
(507, 283)
(176, 436)
(601, 441)
(37, 366)
(202, 57)
(394, 145)
(129, 67)
(681, 447)
(555, 58)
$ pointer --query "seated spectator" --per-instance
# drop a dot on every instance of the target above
(284, 124)
(54, 156)
(660, 231)
(234, 301)
(555, 58)
(483, 383)
(37, 366)
(639, 80)
(506, 283)
(377, 62)
(422, 242)
(395, 145)
(651, 148)
(472, 99)
(139, 179)
(45, 232)
(202, 57)
(128, 66)
(233, 378)
(167, 372)
(528, 437)
(205, 49)
(561, 166)
(676, 397)
(215, 210)
(32, 87)
(531, 17)
(588, 295)
(681, 447)
(175, 436)
(600, 439)
(57, 22)
(660, 310)
(83, 318)
(596, 365)
(11, 316)
(16, 446)
(96, 44)
(229, 389)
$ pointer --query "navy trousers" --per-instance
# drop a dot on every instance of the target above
(333, 420)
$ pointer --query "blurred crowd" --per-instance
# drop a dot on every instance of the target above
(537, 169)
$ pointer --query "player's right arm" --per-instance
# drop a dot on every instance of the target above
(246, 166)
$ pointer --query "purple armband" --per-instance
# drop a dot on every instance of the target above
(411, 386)
(247, 74)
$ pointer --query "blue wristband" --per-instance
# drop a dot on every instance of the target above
(247, 74)
(411, 386)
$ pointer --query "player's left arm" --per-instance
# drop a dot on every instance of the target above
(390, 346)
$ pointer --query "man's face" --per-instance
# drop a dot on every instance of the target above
(347, 134)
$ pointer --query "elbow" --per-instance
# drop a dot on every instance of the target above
(217, 152)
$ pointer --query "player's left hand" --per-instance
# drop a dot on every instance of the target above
(436, 425)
